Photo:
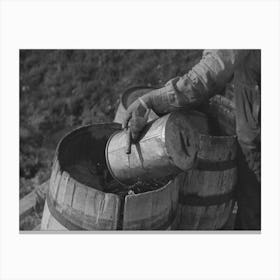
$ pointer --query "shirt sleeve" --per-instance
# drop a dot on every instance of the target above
(210, 75)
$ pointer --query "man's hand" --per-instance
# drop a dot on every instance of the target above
(162, 101)
(136, 118)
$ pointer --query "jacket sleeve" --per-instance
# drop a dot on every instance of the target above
(204, 80)
(210, 75)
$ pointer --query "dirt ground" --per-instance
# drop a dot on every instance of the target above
(63, 89)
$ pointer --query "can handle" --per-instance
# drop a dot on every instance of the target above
(128, 141)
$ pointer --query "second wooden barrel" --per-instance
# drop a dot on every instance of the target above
(206, 192)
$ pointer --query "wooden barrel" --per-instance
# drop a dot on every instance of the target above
(75, 200)
(127, 98)
(206, 193)
(78, 200)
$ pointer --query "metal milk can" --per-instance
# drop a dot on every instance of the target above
(168, 145)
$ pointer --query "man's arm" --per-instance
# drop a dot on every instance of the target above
(204, 80)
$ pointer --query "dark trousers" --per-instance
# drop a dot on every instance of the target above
(248, 127)
(248, 190)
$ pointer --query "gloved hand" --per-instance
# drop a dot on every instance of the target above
(137, 116)
(162, 101)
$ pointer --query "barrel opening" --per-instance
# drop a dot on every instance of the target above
(81, 154)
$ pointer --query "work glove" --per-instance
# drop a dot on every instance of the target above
(162, 101)
(136, 118)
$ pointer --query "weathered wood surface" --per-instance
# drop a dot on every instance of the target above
(74, 203)
(206, 192)
(77, 201)
(74, 206)
(154, 210)
(28, 203)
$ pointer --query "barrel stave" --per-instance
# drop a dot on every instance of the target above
(151, 210)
